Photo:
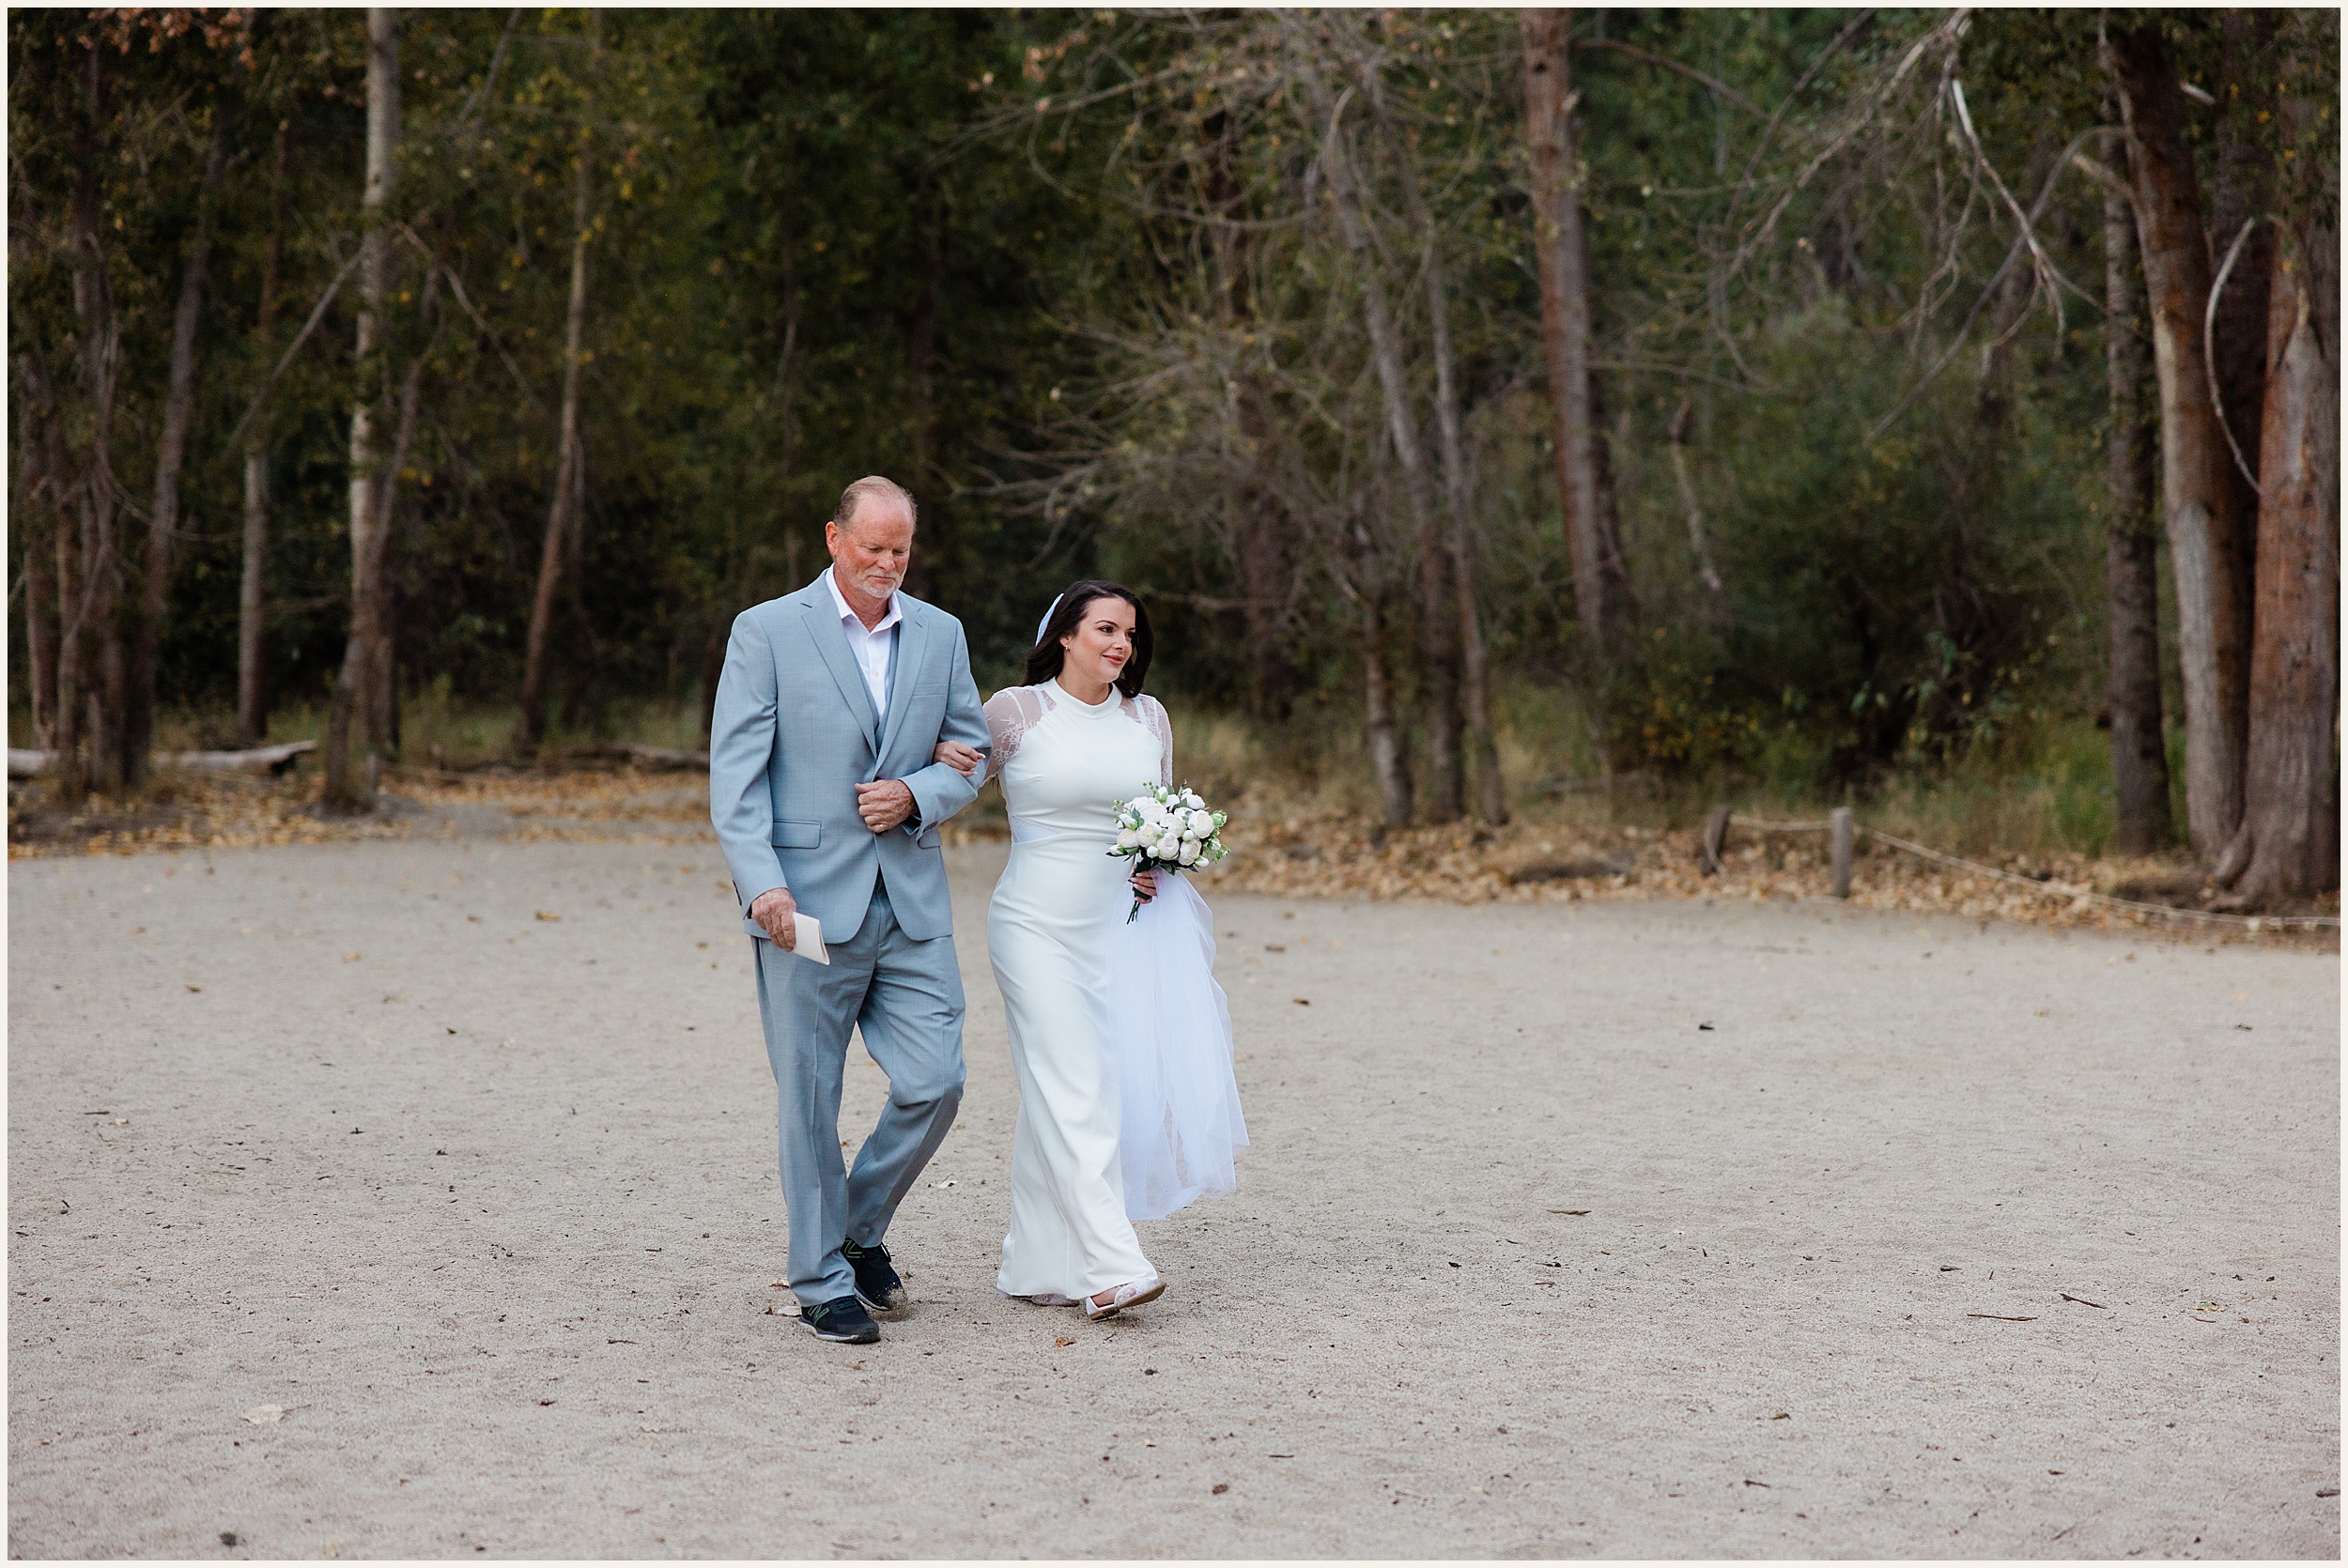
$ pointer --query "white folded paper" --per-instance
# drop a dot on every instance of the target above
(807, 937)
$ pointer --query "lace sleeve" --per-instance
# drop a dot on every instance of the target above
(1010, 715)
(1153, 714)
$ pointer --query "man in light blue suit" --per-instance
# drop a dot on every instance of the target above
(827, 802)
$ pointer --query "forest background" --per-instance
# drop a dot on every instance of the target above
(1931, 409)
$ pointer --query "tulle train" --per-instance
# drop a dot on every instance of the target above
(1170, 1032)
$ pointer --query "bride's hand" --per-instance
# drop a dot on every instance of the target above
(962, 758)
(1145, 885)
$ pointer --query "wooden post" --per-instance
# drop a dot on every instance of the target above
(1715, 840)
(1839, 835)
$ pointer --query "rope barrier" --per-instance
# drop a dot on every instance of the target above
(2059, 889)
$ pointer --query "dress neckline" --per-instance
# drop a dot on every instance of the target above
(1107, 705)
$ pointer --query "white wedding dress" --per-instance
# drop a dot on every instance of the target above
(1121, 1037)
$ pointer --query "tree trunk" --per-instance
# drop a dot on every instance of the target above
(921, 579)
(251, 605)
(2289, 842)
(1716, 593)
(2240, 196)
(52, 549)
(1439, 643)
(1459, 544)
(2139, 756)
(40, 623)
(383, 714)
(39, 493)
(66, 732)
(162, 522)
(529, 727)
(1562, 254)
(1614, 560)
(1460, 532)
(348, 788)
(2197, 504)
(786, 436)
(251, 592)
(1267, 581)
(93, 622)
(1389, 759)
(383, 706)
(1261, 545)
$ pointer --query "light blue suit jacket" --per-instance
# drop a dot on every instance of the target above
(793, 733)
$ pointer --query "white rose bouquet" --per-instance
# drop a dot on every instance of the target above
(1163, 829)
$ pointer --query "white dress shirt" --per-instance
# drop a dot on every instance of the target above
(871, 648)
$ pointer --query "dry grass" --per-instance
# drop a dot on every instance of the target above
(1291, 836)
(180, 811)
(1566, 857)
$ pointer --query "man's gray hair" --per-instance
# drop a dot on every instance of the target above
(880, 488)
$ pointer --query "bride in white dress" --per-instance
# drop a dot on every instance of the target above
(1120, 1038)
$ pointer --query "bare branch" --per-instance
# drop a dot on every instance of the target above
(1667, 63)
(2209, 351)
(317, 313)
(2043, 265)
(2069, 158)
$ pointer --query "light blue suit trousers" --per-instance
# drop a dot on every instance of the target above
(792, 733)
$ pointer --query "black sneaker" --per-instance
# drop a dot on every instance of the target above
(876, 1281)
(843, 1322)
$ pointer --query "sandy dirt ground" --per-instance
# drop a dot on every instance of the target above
(417, 1199)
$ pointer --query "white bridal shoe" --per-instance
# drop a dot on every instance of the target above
(1131, 1295)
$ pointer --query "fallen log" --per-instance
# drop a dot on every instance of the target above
(24, 763)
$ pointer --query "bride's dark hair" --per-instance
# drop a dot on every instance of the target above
(1045, 658)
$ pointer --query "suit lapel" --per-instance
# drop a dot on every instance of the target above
(831, 641)
(910, 640)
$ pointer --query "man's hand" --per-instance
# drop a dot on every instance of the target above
(885, 805)
(771, 912)
(962, 759)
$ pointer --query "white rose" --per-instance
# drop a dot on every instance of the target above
(1191, 799)
(1190, 851)
(1200, 823)
(1127, 839)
